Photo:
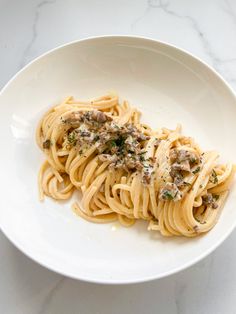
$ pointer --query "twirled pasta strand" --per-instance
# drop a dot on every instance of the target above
(114, 194)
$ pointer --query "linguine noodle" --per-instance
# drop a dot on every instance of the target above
(128, 171)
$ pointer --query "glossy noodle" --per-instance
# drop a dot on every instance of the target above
(127, 171)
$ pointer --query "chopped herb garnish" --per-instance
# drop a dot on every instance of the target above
(168, 195)
(122, 145)
(141, 153)
(214, 178)
(113, 143)
(63, 120)
(131, 152)
(72, 140)
(216, 197)
(196, 170)
(47, 144)
(142, 158)
(120, 141)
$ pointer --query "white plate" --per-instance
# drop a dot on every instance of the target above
(169, 86)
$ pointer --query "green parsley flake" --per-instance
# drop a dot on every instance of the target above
(216, 197)
(196, 170)
(214, 178)
(71, 138)
(168, 195)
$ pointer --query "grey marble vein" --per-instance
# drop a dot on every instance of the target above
(47, 301)
(165, 7)
(34, 30)
(139, 18)
(228, 8)
(209, 274)
(207, 287)
(180, 289)
(205, 43)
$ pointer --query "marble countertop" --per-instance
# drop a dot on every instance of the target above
(206, 29)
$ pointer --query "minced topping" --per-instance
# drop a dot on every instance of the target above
(213, 177)
(46, 144)
(170, 192)
(210, 199)
(182, 162)
(121, 145)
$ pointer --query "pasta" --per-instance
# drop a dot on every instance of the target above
(127, 171)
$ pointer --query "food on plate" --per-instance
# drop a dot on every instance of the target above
(125, 170)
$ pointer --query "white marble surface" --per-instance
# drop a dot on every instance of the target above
(206, 28)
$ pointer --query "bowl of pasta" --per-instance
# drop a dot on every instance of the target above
(118, 162)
